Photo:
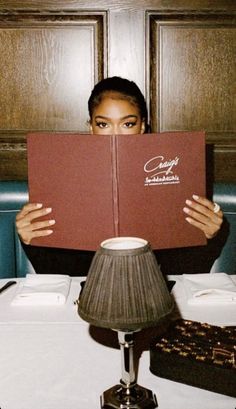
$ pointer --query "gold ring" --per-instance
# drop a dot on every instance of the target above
(216, 208)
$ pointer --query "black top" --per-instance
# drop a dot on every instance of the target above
(189, 260)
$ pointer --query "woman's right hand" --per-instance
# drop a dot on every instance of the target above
(27, 225)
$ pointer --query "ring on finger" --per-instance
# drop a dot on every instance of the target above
(216, 208)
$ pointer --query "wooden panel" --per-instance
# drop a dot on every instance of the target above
(224, 164)
(192, 72)
(48, 65)
(119, 4)
(197, 73)
(127, 45)
(49, 69)
(195, 70)
(13, 159)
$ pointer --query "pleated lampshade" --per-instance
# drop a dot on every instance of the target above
(124, 288)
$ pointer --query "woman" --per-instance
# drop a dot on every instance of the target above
(116, 106)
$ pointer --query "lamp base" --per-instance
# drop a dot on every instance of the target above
(138, 398)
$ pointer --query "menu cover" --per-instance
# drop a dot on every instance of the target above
(103, 186)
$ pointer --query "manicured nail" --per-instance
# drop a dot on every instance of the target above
(188, 219)
(49, 231)
(195, 197)
(48, 210)
(38, 205)
(186, 210)
(188, 202)
(52, 221)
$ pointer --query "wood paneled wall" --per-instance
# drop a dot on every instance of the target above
(181, 54)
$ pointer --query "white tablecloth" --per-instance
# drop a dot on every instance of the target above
(51, 359)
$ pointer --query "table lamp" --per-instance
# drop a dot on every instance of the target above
(125, 291)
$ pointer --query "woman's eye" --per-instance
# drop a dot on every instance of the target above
(101, 124)
(130, 124)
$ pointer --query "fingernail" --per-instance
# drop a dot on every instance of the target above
(49, 231)
(52, 221)
(38, 205)
(48, 210)
(196, 197)
(186, 210)
(188, 202)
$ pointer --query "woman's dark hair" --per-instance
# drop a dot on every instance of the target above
(127, 89)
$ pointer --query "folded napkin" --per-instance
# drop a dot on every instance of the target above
(42, 289)
(209, 288)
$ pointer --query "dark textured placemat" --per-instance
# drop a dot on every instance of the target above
(197, 354)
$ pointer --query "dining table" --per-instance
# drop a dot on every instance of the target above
(50, 358)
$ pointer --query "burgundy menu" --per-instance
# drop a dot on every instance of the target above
(117, 185)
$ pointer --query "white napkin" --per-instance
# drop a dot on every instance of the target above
(42, 289)
(209, 288)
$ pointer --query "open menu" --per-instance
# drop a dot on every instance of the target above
(117, 185)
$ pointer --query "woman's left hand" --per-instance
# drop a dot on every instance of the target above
(201, 214)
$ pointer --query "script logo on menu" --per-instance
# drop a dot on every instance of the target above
(161, 171)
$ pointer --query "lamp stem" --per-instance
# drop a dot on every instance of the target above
(128, 395)
(126, 341)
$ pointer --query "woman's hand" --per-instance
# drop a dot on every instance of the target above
(27, 225)
(201, 214)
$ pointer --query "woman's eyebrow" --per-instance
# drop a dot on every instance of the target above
(101, 117)
(130, 116)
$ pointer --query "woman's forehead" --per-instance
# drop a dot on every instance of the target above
(116, 104)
